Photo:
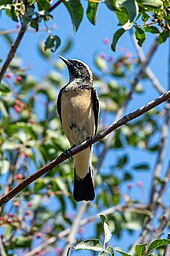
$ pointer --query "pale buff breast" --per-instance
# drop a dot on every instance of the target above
(77, 115)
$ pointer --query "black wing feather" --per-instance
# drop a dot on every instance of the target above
(59, 103)
(95, 100)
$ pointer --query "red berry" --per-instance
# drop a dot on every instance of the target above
(17, 108)
(39, 235)
(81, 230)
(130, 185)
(140, 183)
(9, 220)
(106, 40)
(19, 176)
(16, 203)
(9, 75)
(59, 250)
(103, 56)
(10, 214)
(28, 213)
(27, 154)
(29, 204)
(18, 79)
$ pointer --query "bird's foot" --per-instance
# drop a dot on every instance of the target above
(67, 152)
(89, 139)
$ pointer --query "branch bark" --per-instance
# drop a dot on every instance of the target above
(118, 208)
(72, 151)
(17, 42)
(148, 70)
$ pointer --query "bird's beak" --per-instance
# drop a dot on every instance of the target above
(66, 61)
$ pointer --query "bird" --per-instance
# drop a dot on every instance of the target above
(78, 109)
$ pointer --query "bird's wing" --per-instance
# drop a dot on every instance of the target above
(95, 100)
(59, 103)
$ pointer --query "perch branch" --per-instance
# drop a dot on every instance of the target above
(72, 151)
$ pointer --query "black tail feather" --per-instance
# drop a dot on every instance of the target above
(83, 188)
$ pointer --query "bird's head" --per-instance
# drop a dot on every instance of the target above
(78, 70)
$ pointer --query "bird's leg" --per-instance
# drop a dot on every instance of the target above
(67, 151)
(89, 139)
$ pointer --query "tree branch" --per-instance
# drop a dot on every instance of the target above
(83, 222)
(146, 231)
(17, 42)
(161, 153)
(148, 70)
(12, 51)
(128, 98)
(72, 151)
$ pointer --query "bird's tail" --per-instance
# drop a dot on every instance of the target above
(83, 188)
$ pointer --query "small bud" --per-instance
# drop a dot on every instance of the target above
(18, 79)
(140, 184)
(103, 56)
(29, 204)
(39, 235)
(106, 40)
(16, 203)
(17, 108)
(10, 215)
(27, 154)
(130, 185)
(19, 176)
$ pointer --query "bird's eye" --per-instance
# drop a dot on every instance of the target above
(79, 65)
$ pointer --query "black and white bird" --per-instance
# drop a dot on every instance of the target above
(78, 108)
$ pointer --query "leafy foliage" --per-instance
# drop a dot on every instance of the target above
(31, 134)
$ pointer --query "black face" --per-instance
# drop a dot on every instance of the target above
(77, 69)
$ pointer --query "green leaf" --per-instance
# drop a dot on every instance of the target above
(22, 242)
(92, 12)
(107, 232)
(110, 250)
(90, 244)
(75, 10)
(158, 243)
(145, 16)
(140, 35)
(117, 249)
(150, 3)
(131, 7)
(4, 166)
(111, 4)
(140, 249)
(102, 254)
(143, 166)
(122, 161)
(43, 5)
(152, 29)
(116, 37)
(52, 43)
(4, 88)
(163, 36)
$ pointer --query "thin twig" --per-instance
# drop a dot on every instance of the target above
(146, 230)
(128, 98)
(17, 42)
(72, 151)
(12, 51)
(163, 223)
(167, 248)
(161, 153)
(74, 228)
(148, 70)
(118, 208)
(54, 5)
(2, 250)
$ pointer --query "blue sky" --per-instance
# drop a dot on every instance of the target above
(87, 41)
